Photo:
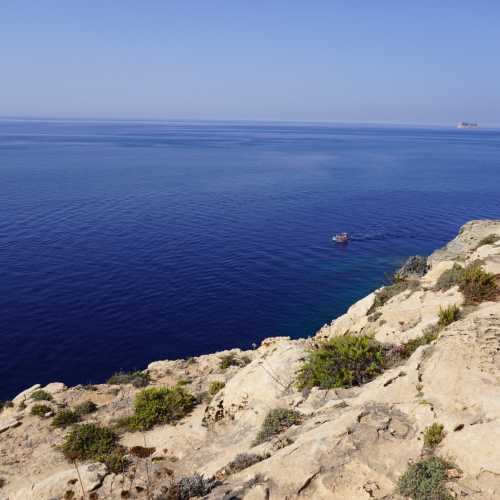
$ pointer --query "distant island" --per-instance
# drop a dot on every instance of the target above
(467, 125)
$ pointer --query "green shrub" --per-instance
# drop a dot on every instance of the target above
(163, 405)
(450, 278)
(64, 418)
(41, 395)
(215, 387)
(433, 435)
(425, 480)
(429, 334)
(232, 359)
(488, 240)
(90, 442)
(342, 362)
(85, 408)
(40, 410)
(277, 421)
(448, 315)
(137, 379)
(388, 292)
(477, 285)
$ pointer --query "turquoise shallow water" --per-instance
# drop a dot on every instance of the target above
(123, 243)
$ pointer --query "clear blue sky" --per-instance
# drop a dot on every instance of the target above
(428, 61)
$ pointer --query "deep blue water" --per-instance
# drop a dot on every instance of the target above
(124, 243)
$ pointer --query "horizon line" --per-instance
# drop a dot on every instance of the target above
(237, 120)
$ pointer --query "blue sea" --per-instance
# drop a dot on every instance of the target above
(122, 243)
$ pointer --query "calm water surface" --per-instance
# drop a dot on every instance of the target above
(124, 243)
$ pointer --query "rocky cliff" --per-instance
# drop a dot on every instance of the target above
(287, 419)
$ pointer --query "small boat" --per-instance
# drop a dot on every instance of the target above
(341, 238)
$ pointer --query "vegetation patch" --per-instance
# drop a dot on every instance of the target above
(159, 405)
(85, 408)
(215, 387)
(448, 315)
(388, 292)
(425, 480)
(450, 278)
(277, 421)
(232, 359)
(243, 461)
(40, 410)
(433, 435)
(477, 285)
(188, 487)
(342, 362)
(41, 395)
(65, 418)
(93, 442)
(137, 378)
(488, 240)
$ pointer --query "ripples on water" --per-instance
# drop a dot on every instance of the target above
(123, 243)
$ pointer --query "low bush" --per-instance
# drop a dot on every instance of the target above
(342, 362)
(215, 387)
(40, 410)
(64, 418)
(41, 395)
(450, 278)
(488, 240)
(137, 378)
(160, 405)
(433, 435)
(243, 461)
(425, 480)
(448, 315)
(188, 487)
(388, 292)
(232, 359)
(90, 442)
(429, 334)
(85, 408)
(477, 285)
(277, 421)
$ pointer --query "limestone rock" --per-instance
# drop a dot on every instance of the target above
(58, 484)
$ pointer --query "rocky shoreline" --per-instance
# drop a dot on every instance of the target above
(239, 426)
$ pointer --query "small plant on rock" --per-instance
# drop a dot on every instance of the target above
(277, 421)
(433, 435)
(65, 418)
(388, 292)
(160, 405)
(448, 315)
(137, 378)
(85, 408)
(425, 480)
(90, 442)
(477, 285)
(243, 461)
(429, 334)
(232, 359)
(450, 278)
(40, 410)
(41, 395)
(188, 487)
(342, 362)
(215, 387)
